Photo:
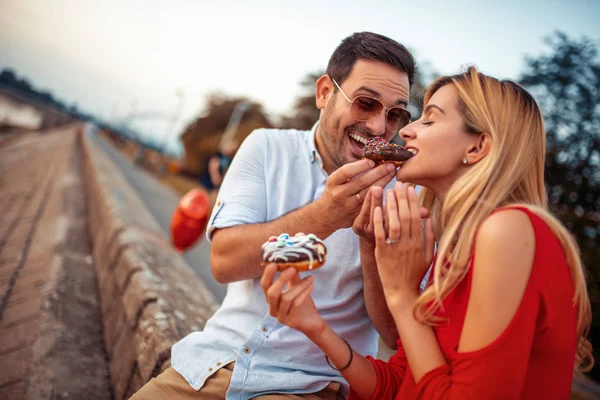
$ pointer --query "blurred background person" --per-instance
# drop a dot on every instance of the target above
(217, 167)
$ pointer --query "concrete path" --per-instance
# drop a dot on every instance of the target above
(51, 343)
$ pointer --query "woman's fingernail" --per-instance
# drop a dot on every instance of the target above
(391, 168)
(377, 191)
(371, 163)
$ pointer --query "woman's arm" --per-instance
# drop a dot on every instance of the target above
(360, 373)
(295, 308)
(502, 267)
(403, 255)
(505, 250)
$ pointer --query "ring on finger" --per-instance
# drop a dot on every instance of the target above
(390, 241)
(357, 195)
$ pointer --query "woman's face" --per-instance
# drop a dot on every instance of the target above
(441, 143)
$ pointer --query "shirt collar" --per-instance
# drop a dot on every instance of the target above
(312, 146)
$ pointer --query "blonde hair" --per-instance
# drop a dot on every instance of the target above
(512, 173)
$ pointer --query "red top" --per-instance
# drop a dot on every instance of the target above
(532, 359)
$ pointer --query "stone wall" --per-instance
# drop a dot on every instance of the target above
(149, 296)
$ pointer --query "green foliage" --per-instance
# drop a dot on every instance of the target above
(566, 84)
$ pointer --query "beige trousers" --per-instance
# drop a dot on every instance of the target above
(171, 385)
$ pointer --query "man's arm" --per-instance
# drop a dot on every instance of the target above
(375, 302)
(236, 251)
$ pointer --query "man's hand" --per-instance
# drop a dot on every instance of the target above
(363, 224)
(347, 188)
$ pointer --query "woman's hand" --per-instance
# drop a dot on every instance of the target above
(346, 189)
(292, 306)
(364, 224)
(404, 255)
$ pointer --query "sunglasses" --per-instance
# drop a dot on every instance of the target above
(364, 108)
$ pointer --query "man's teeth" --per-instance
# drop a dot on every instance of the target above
(358, 138)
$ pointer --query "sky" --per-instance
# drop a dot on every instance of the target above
(114, 58)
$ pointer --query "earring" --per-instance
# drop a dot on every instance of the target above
(465, 161)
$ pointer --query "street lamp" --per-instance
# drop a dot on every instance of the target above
(174, 117)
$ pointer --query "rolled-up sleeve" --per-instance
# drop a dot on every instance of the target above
(242, 197)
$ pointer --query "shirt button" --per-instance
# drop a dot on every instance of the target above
(247, 350)
(219, 364)
(210, 369)
(264, 329)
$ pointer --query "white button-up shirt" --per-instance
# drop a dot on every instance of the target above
(273, 173)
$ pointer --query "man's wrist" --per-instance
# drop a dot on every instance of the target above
(322, 218)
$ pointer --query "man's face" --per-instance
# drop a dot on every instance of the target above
(341, 135)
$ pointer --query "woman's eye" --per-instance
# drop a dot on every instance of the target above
(427, 122)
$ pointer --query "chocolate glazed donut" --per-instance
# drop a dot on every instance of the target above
(381, 151)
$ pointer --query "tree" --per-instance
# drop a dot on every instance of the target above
(566, 84)
(8, 77)
(201, 138)
(305, 112)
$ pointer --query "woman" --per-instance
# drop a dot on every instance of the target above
(506, 308)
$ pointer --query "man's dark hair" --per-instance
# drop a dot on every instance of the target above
(369, 46)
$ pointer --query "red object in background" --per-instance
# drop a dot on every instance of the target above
(189, 219)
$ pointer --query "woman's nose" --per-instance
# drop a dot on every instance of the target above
(408, 132)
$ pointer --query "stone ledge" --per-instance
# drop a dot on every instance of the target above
(149, 296)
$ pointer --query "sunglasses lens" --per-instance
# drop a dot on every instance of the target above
(397, 118)
(364, 108)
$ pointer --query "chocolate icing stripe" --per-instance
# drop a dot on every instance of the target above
(284, 249)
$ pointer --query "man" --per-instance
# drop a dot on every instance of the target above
(299, 181)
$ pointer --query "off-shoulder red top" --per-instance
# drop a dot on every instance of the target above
(532, 359)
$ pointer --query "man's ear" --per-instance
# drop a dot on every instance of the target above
(324, 89)
(480, 148)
